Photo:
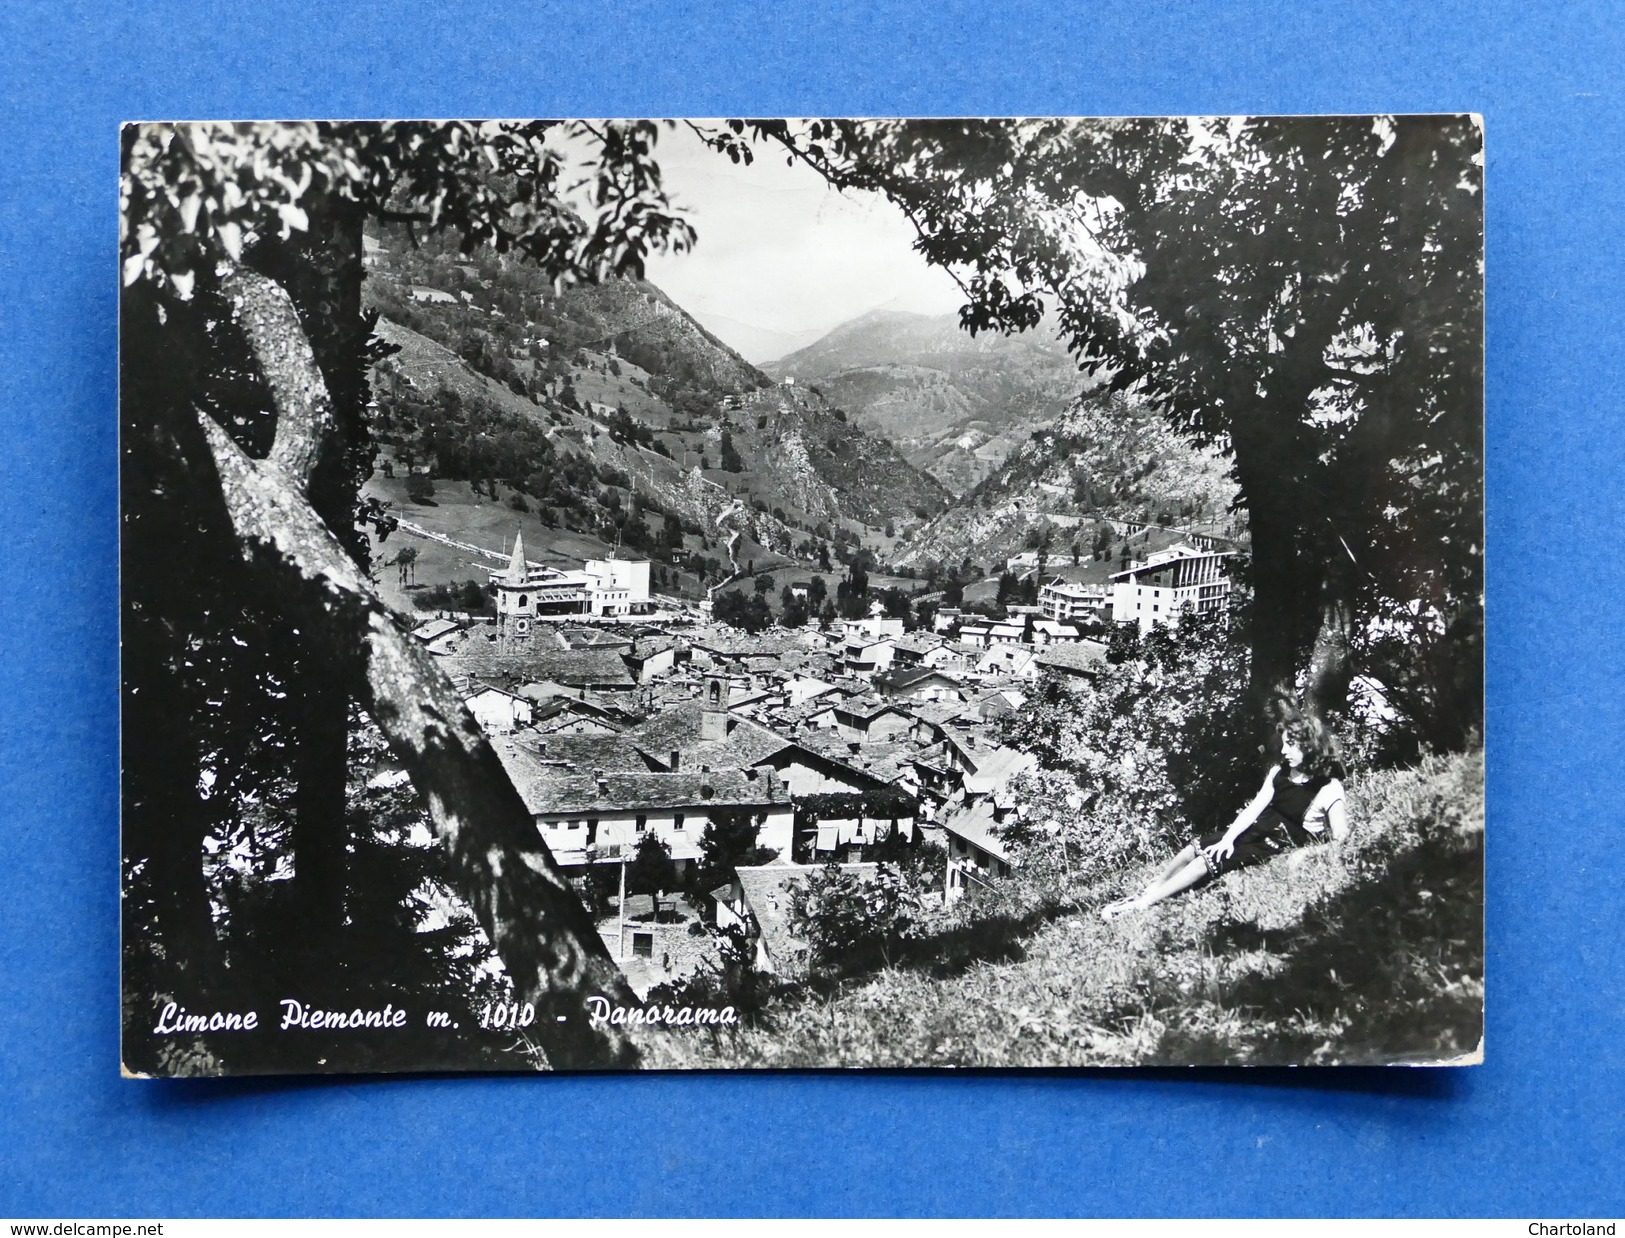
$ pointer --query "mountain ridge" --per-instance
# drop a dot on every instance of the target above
(954, 404)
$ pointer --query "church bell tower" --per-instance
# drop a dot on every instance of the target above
(516, 601)
(714, 715)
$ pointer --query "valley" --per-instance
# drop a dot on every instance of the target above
(605, 420)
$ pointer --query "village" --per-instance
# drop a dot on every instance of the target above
(630, 722)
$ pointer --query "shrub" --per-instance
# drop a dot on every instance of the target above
(1163, 747)
(846, 918)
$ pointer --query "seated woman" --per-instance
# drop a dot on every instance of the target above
(1300, 802)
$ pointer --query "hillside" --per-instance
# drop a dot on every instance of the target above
(955, 405)
(1107, 459)
(582, 400)
(1367, 951)
(574, 482)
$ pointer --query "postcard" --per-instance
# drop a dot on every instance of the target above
(740, 594)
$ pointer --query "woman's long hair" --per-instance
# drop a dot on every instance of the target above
(1319, 750)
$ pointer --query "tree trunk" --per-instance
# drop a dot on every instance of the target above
(170, 535)
(547, 941)
(1286, 588)
(321, 270)
(1330, 670)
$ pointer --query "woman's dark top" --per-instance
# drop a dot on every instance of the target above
(1278, 828)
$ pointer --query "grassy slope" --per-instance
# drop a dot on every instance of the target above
(1368, 952)
(461, 514)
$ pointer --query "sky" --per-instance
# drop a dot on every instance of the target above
(782, 258)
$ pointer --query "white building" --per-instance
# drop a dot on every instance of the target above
(1065, 602)
(619, 583)
(1170, 582)
(601, 816)
(498, 711)
(526, 591)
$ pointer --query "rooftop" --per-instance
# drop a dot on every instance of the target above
(1076, 656)
(974, 823)
(549, 789)
(478, 654)
(679, 728)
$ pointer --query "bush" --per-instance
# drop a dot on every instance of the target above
(1163, 747)
(847, 919)
(462, 595)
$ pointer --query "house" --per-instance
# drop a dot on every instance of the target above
(1026, 560)
(947, 619)
(918, 684)
(1011, 661)
(923, 649)
(996, 768)
(976, 854)
(577, 753)
(1170, 582)
(865, 655)
(876, 627)
(481, 654)
(683, 738)
(800, 690)
(651, 658)
(993, 632)
(431, 630)
(600, 817)
(866, 719)
(759, 903)
(1083, 659)
(497, 710)
(569, 715)
(999, 703)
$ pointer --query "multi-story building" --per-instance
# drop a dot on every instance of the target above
(1172, 581)
(1064, 602)
(526, 591)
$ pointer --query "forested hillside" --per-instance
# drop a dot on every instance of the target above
(1107, 458)
(608, 410)
(955, 404)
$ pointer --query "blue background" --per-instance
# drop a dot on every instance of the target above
(1538, 1130)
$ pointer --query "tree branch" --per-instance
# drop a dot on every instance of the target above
(501, 867)
(304, 411)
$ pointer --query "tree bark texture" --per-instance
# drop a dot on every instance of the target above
(547, 942)
(309, 338)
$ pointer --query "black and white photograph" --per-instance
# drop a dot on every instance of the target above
(803, 594)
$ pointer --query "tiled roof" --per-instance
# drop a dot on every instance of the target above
(996, 767)
(865, 709)
(974, 823)
(590, 752)
(679, 727)
(911, 676)
(551, 789)
(1083, 655)
(476, 655)
(919, 642)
